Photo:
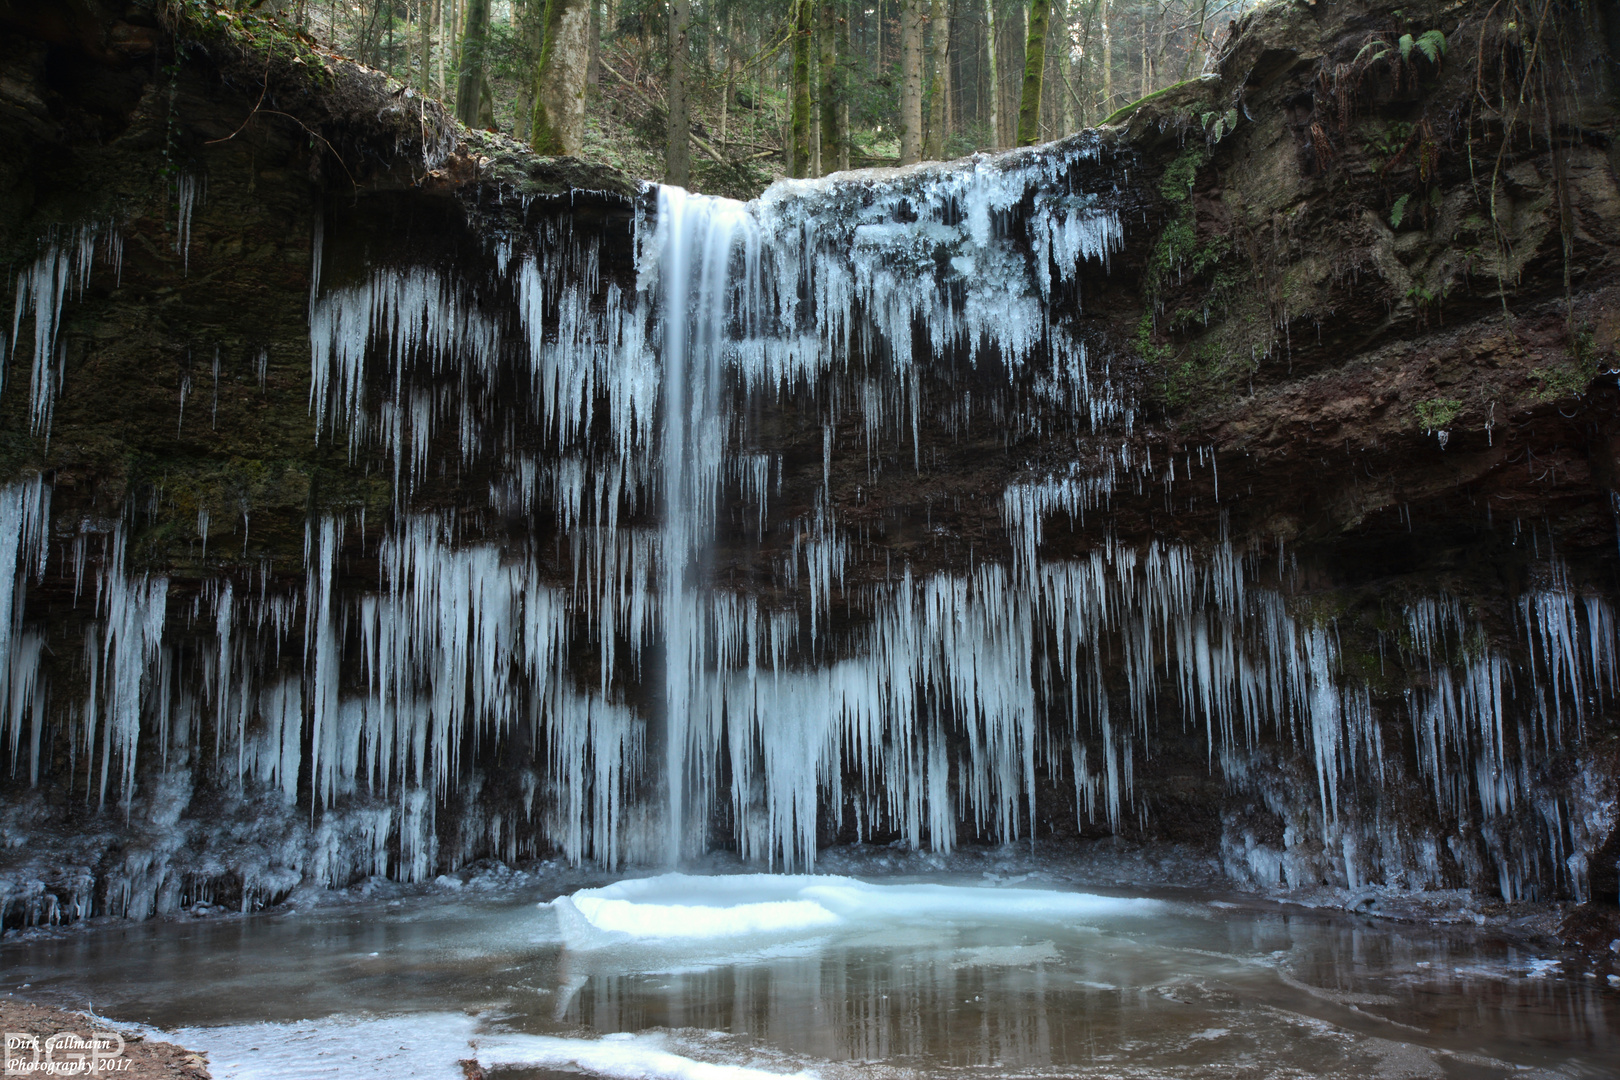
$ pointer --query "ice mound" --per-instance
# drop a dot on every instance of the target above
(687, 907)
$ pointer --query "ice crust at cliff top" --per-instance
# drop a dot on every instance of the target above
(632, 432)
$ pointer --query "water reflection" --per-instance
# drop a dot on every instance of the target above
(1192, 990)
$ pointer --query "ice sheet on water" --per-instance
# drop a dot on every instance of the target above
(425, 1046)
(429, 1046)
(677, 907)
(1006, 956)
(631, 1057)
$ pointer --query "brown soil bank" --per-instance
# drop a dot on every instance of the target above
(66, 1038)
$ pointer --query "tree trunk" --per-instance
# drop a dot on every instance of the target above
(1011, 64)
(1029, 106)
(1142, 87)
(593, 47)
(1065, 121)
(486, 104)
(558, 125)
(815, 98)
(911, 84)
(879, 63)
(444, 46)
(976, 55)
(430, 9)
(533, 40)
(1107, 63)
(731, 77)
(953, 81)
(1081, 77)
(804, 31)
(1198, 40)
(452, 41)
(678, 131)
(832, 89)
(470, 80)
(939, 81)
(995, 80)
(844, 55)
(407, 41)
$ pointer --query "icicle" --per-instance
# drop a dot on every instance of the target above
(135, 611)
(321, 634)
(41, 288)
(186, 192)
(634, 434)
(25, 510)
(317, 246)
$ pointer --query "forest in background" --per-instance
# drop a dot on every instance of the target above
(773, 88)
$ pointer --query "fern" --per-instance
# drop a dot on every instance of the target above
(1383, 51)
(1219, 125)
(1432, 44)
(1398, 212)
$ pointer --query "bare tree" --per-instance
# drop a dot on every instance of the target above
(470, 83)
(833, 114)
(1064, 116)
(534, 22)
(1029, 106)
(429, 12)
(678, 133)
(804, 29)
(731, 74)
(1107, 62)
(1198, 39)
(995, 79)
(444, 42)
(939, 80)
(844, 55)
(558, 126)
(911, 56)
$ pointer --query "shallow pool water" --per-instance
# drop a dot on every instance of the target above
(733, 977)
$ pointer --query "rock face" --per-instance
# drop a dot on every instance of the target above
(381, 498)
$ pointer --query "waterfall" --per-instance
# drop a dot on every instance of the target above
(657, 479)
(696, 242)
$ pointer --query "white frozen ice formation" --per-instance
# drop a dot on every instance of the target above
(686, 907)
(573, 618)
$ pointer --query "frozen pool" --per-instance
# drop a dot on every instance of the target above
(732, 977)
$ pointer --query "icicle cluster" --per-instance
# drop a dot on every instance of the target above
(63, 264)
(25, 510)
(620, 429)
